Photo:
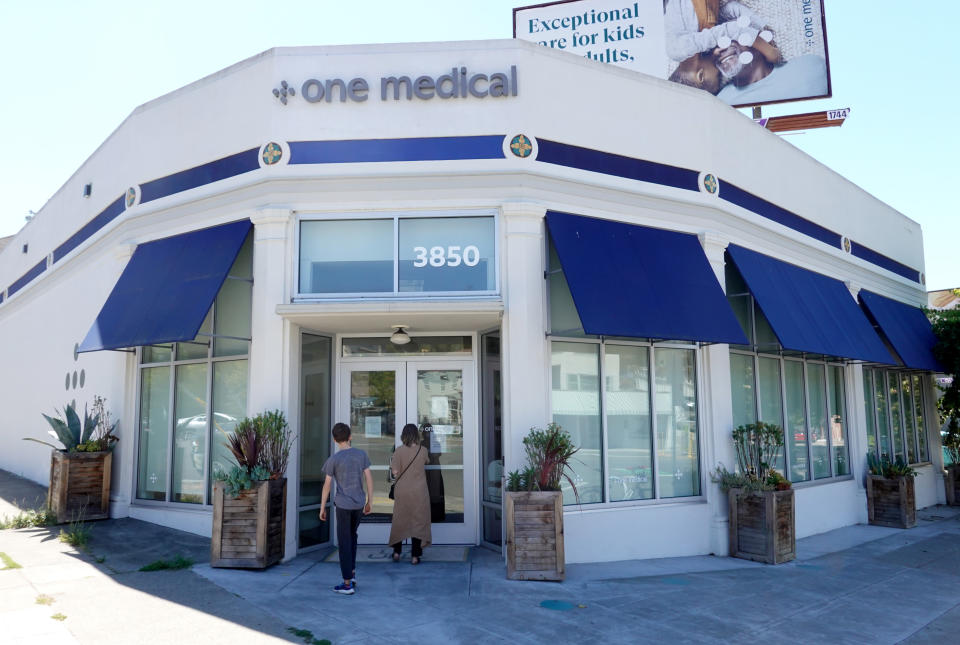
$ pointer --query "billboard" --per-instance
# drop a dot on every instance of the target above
(745, 52)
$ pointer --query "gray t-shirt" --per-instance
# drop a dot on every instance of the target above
(347, 467)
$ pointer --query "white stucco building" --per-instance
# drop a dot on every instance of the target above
(563, 240)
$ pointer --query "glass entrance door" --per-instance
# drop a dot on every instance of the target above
(380, 397)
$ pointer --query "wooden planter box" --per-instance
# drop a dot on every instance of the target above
(80, 485)
(952, 482)
(534, 535)
(891, 501)
(762, 525)
(249, 530)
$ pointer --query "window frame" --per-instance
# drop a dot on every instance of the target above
(917, 389)
(758, 408)
(396, 216)
(601, 342)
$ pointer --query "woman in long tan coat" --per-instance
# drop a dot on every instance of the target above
(411, 504)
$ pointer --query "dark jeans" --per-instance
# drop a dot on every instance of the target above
(417, 549)
(348, 519)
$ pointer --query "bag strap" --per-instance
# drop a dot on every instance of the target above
(408, 465)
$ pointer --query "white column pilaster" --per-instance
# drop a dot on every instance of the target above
(271, 364)
(717, 407)
(526, 393)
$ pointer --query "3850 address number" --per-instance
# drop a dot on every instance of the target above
(451, 256)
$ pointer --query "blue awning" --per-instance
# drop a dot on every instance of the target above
(167, 288)
(641, 282)
(809, 312)
(907, 330)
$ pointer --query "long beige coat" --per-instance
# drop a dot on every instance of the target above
(411, 508)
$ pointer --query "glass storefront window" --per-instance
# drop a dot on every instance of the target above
(909, 422)
(868, 409)
(154, 431)
(575, 400)
(447, 254)
(676, 409)
(837, 420)
(229, 407)
(896, 426)
(379, 346)
(819, 438)
(398, 255)
(742, 380)
(627, 396)
(896, 430)
(190, 433)
(346, 256)
(815, 411)
(922, 452)
(796, 439)
(771, 401)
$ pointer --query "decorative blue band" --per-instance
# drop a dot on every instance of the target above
(22, 281)
(414, 149)
(774, 213)
(883, 261)
(201, 175)
(106, 216)
(461, 148)
(607, 163)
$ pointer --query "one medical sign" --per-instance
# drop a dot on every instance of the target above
(746, 52)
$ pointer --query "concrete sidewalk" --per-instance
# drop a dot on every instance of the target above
(861, 584)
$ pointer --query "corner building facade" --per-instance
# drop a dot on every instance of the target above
(560, 239)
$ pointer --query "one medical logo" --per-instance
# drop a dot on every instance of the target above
(283, 92)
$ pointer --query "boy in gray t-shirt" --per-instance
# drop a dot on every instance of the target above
(350, 467)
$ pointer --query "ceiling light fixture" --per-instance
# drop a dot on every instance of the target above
(399, 336)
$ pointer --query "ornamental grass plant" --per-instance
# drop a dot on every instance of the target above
(261, 445)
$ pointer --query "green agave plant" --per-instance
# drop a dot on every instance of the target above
(68, 429)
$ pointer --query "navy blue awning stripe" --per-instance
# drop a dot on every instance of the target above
(412, 149)
(906, 328)
(22, 281)
(105, 216)
(736, 195)
(641, 282)
(884, 262)
(167, 288)
(207, 173)
(808, 311)
(607, 163)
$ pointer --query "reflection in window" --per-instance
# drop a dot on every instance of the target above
(796, 420)
(446, 254)
(896, 426)
(154, 429)
(346, 256)
(576, 408)
(633, 433)
(808, 386)
(676, 410)
(630, 451)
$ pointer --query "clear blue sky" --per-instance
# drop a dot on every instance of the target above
(70, 72)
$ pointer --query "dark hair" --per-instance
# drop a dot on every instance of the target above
(341, 432)
(410, 435)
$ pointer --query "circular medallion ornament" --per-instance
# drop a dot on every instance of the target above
(710, 184)
(521, 146)
(272, 153)
(846, 244)
(131, 196)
